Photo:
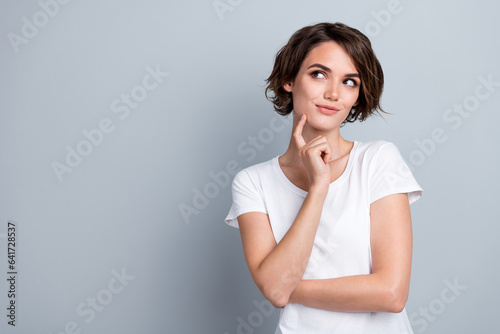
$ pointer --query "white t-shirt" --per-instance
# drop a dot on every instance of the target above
(342, 243)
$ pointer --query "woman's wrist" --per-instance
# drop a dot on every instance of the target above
(319, 189)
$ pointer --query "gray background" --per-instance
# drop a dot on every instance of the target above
(120, 208)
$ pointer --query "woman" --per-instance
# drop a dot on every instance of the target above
(326, 227)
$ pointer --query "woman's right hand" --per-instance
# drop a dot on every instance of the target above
(315, 156)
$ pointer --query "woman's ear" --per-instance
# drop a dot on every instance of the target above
(287, 86)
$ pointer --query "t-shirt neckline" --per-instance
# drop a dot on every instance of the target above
(281, 175)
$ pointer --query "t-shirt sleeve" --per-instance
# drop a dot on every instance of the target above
(246, 198)
(391, 175)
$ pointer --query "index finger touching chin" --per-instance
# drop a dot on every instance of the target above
(297, 134)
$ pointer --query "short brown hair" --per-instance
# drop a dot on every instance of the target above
(290, 57)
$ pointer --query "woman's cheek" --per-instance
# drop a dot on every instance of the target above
(354, 94)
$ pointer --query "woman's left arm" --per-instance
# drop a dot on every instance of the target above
(386, 288)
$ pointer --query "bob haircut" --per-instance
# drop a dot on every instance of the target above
(290, 57)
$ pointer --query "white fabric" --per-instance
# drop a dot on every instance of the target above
(342, 244)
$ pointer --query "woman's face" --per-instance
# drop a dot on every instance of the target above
(326, 86)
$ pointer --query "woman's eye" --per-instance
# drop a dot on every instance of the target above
(351, 83)
(318, 75)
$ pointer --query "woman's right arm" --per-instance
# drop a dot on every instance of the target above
(278, 268)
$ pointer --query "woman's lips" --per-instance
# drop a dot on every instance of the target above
(328, 110)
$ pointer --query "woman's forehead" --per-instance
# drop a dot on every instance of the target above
(329, 54)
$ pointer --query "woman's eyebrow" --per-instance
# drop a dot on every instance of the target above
(326, 69)
(323, 67)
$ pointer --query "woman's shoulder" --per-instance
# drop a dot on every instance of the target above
(380, 154)
(373, 147)
(258, 170)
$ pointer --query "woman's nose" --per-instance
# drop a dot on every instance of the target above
(331, 91)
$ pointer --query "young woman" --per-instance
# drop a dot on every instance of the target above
(326, 227)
